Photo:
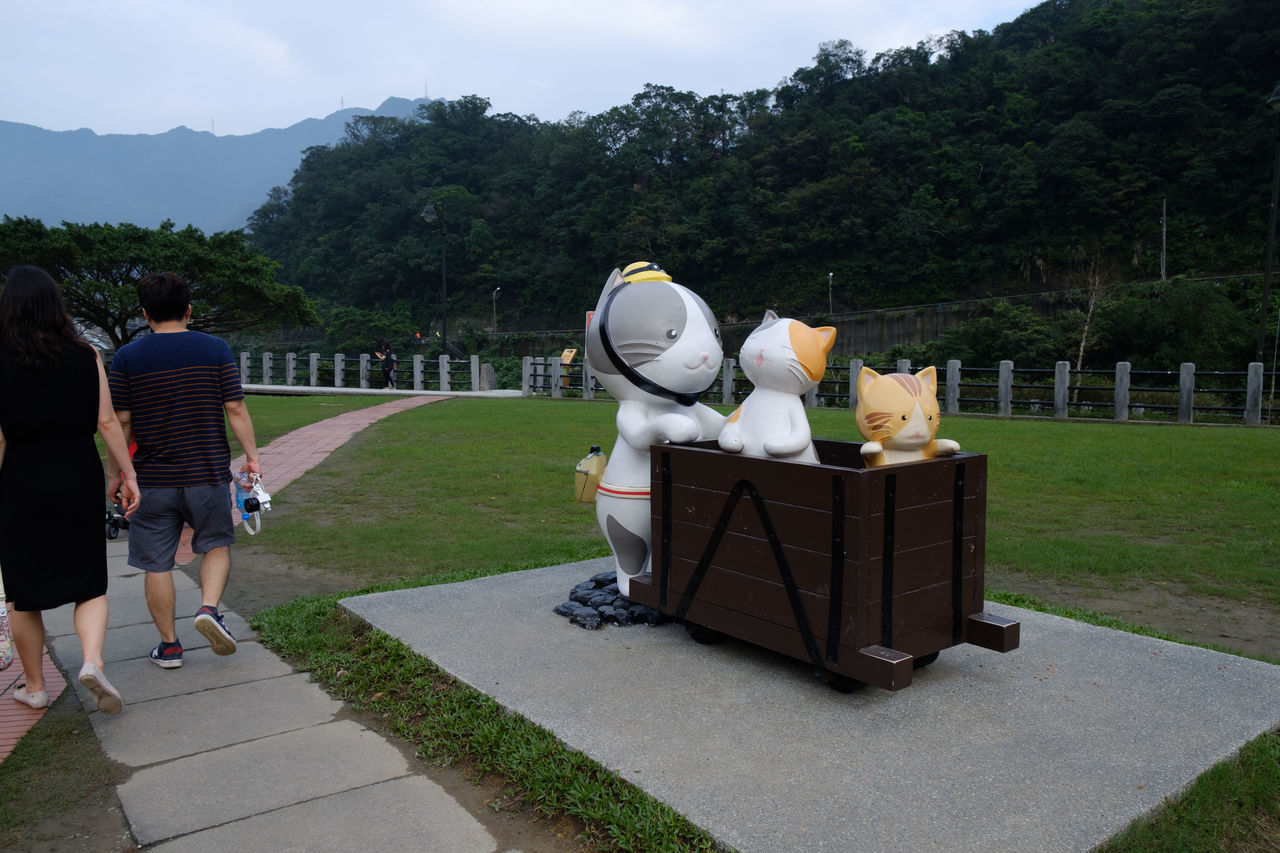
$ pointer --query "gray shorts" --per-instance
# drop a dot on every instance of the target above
(156, 528)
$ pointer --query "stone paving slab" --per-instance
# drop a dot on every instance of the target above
(128, 603)
(201, 672)
(410, 813)
(164, 729)
(1054, 746)
(255, 778)
(135, 641)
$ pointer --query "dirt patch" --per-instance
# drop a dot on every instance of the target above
(1242, 627)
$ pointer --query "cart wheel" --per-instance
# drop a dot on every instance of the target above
(842, 683)
(113, 529)
(704, 636)
(924, 660)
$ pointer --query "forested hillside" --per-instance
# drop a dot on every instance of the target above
(1033, 158)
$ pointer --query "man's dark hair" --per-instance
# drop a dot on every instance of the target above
(164, 296)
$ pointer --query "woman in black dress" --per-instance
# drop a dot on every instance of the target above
(53, 396)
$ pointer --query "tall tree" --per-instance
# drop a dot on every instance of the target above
(99, 266)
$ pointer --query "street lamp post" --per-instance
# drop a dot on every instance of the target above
(830, 309)
(1274, 103)
(496, 291)
(431, 213)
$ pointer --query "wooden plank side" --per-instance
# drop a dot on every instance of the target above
(807, 526)
(919, 609)
(754, 556)
(765, 599)
(880, 667)
(795, 483)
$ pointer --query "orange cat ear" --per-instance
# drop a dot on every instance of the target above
(826, 338)
(865, 377)
(929, 377)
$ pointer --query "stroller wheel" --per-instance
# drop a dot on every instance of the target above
(113, 529)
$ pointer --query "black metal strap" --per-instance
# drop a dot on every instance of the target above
(886, 562)
(664, 573)
(836, 589)
(957, 556)
(784, 569)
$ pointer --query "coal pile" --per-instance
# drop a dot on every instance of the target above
(597, 601)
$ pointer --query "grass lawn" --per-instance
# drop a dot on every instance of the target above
(474, 487)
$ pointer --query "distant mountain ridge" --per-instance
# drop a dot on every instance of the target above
(191, 177)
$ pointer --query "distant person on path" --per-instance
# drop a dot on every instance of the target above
(172, 390)
(388, 359)
(53, 396)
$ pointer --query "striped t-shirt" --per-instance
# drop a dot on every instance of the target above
(174, 386)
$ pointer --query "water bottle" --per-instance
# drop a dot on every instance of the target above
(246, 501)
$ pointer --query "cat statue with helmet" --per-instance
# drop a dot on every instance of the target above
(655, 346)
(784, 359)
(898, 415)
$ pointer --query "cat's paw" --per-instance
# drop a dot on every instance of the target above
(677, 429)
(871, 448)
(946, 447)
(731, 441)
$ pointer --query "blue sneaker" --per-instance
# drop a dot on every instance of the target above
(209, 623)
(167, 655)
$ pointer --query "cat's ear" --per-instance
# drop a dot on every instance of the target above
(610, 283)
(769, 317)
(865, 377)
(826, 337)
(929, 378)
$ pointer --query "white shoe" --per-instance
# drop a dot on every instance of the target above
(37, 699)
(109, 701)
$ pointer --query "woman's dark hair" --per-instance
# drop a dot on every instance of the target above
(164, 296)
(34, 322)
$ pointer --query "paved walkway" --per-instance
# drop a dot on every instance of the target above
(242, 752)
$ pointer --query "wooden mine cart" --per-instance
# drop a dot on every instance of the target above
(867, 573)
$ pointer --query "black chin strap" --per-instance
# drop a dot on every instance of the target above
(642, 382)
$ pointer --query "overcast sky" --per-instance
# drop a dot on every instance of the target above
(239, 66)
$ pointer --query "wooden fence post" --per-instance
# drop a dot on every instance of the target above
(588, 381)
(1004, 396)
(855, 367)
(244, 368)
(1123, 372)
(727, 371)
(339, 370)
(526, 375)
(313, 369)
(1061, 388)
(475, 373)
(290, 368)
(953, 386)
(904, 365)
(1253, 395)
(417, 373)
(364, 370)
(266, 368)
(445, 384)
(1186, 392)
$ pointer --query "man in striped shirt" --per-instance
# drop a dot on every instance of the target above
(172, 390)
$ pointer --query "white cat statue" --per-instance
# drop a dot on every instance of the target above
(655, 346)
(784, 359)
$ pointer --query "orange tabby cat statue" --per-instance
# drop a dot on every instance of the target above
(898, 415)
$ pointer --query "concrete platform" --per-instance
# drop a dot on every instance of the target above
(1054, 746)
